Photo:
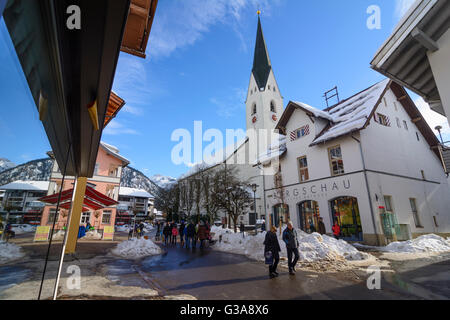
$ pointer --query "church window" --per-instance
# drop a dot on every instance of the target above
(254, 109)
(268, 87)
(274, 89)
(272, 106)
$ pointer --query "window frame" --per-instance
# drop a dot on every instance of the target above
(331, 161)
(300, 169)
(107, 212)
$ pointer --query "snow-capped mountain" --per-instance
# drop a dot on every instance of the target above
(5, 164)
(36, 170)
(40, 170)
(163, 181)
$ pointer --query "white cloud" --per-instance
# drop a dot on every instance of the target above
(115, 128)
(182, 23)
(132, 110)
(230, 105)
(402, 6)
(433, 119)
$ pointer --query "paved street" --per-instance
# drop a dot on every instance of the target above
(208, 274)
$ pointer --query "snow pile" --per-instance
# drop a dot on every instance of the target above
(23, 228)
(10, 252)
(426, 243)
(136, 248)
(312, 247)
(92, 235)
(59, 236)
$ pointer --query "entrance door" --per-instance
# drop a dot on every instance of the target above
(309, 216)
(345, 211)
(252, 218)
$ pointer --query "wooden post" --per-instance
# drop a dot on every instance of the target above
(75, 214)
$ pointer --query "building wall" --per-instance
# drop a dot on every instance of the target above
(441, 70)
(102, 181)
(393, 159)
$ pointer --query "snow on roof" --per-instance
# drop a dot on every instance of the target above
(132, 192)
(114, 151)
(276, 150)
(316, 112)
(26, 185)
(352, 114)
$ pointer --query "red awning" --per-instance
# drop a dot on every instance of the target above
(92, 199)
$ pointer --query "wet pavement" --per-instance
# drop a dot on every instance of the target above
(211, 275)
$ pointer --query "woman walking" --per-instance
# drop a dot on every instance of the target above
(174, 234)
(272, 245)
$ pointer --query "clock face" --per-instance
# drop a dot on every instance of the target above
(254, 119)
(274, 118)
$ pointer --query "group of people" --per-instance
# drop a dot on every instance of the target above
(188, 234)
(137, 231)
(272, 247)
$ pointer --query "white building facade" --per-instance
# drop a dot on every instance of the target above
(371, 163)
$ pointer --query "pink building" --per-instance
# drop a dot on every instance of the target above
(106, 180)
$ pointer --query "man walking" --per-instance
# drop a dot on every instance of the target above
(291, 240)
(190, 232)
(321, 227)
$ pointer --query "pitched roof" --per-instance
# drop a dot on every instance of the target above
(133, 192)
(26, 185)
(353, 113)
(261, 61)
(114, 152)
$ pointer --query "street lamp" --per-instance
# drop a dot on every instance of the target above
(439, 128)
(254, 188)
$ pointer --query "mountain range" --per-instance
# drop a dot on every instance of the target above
(40, 170)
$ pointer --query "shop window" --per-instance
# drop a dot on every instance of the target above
(336, 162)
(303, 169)
(412, 202)
(345, 212)
(309, 216)
(106, 217)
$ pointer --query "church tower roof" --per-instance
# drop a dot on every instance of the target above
(261, 63)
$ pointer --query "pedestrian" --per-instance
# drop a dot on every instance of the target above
(202, 233)
(291, 239)
(181, 232)
(190, 233)
(263, 226)
(242, 229)
(321, 227)
(174, 234)
(272, 245)
(141, 229)
(158, 230)
(195, 236)
(336, 230)
(167, 232)
(312, 229)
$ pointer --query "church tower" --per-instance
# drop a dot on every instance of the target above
(264, 101)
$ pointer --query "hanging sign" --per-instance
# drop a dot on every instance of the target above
(42, 233)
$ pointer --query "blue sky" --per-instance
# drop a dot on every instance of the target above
(200, 56)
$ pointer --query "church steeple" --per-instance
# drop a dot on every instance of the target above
(261, 63)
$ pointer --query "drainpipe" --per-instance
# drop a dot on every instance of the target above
(372, 211)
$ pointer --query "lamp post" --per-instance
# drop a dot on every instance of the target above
(254, 188)
(439, 128)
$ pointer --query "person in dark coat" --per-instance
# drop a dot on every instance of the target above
(181, 232)
(202, 233)
(242, 229)
(271, 244)
(190, 232)
(321, 227)
(291, 239)
(263, 227)
(167, 231)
